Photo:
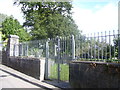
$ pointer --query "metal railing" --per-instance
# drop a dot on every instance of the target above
(94, 47)
(61, 47)
(104, 46)
(101, 47)
(34, 48)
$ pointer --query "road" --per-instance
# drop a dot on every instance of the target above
(9, 81)
(10, 78)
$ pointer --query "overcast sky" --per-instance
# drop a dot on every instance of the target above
(89, 16)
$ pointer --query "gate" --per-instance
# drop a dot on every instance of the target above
(59, 52)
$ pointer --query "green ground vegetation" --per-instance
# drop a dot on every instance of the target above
(64, 72)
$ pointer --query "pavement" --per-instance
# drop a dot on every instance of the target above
(14, 80)
(60, 84)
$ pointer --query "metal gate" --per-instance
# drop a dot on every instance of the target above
(59, 53)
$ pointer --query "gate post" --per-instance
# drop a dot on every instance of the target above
(119, 49)
(26, 49)
(21, 49)
(73, 47)
(0, 47)
(58, 58)
(119, 44)
(119, 31)
(47, 57)
(12, 47)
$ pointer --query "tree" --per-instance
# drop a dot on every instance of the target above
(49, 19)
(94, 48)
(2, 18)
(12, 26)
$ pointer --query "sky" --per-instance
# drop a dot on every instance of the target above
(91, 16)
(96, 16)
(7, 7)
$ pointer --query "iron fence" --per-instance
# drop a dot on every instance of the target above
(60, 48)
(60, 53)
(34, 48)
(104, 46)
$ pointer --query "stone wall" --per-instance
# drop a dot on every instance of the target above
(31, 66)
(94, 75)
(34, 67)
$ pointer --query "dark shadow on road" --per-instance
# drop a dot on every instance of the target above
(62, 85)
(4, 75)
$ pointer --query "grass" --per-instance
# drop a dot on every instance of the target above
(64, 72)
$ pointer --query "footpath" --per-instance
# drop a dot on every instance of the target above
(10, 78)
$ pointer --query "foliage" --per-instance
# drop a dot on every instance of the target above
(2, 18)
(92, 48)
(49, 19)
(24, 36)
(12, 26)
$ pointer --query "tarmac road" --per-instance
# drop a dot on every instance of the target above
(11, 79)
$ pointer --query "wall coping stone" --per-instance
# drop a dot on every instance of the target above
(29, 58)
(13, 36)
(95, 62)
